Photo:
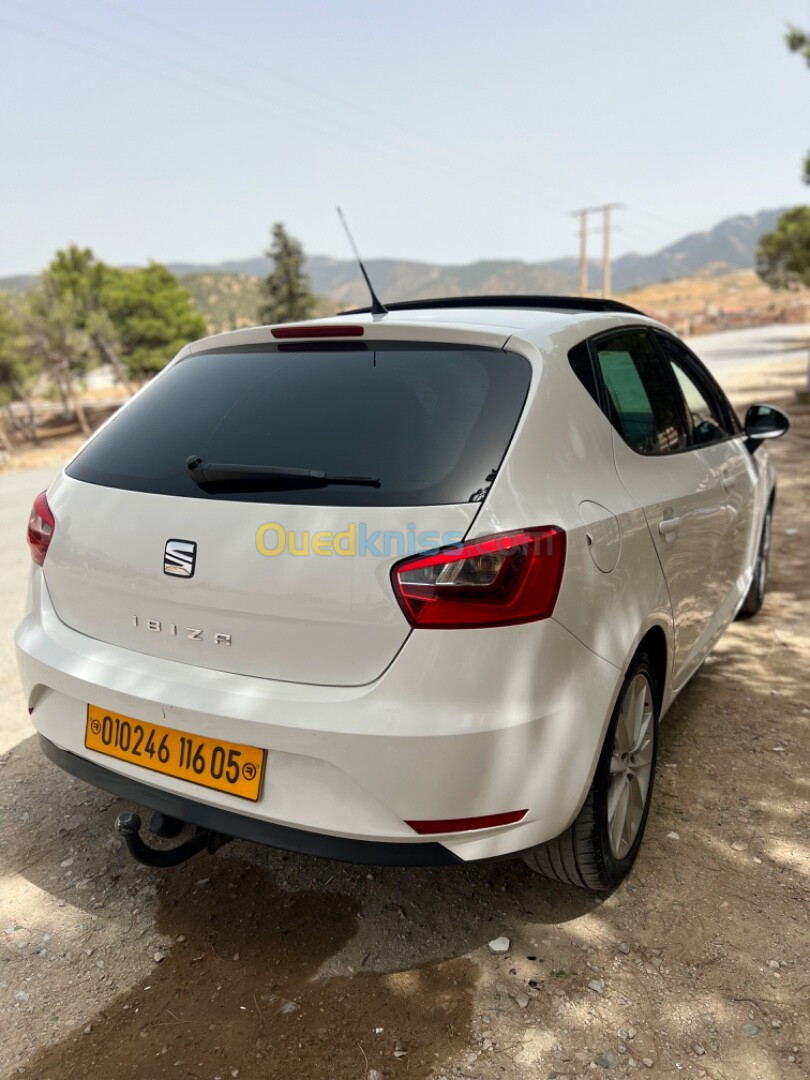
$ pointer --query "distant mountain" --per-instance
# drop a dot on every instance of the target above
(730, 245)
(397, 279)
(17, 283)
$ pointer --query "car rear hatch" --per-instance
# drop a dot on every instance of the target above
(279, 576)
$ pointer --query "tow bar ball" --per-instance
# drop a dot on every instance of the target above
(128, 825)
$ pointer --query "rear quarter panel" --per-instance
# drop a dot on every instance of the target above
(561, 457)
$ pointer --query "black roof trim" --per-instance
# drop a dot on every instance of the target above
(548, 303)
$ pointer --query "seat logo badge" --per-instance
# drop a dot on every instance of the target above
(180, 558)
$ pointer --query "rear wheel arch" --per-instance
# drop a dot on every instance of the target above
(585, 854)
(657, 646)
(754, 598)
(654, 644)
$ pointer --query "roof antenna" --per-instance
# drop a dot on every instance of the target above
(377, 306)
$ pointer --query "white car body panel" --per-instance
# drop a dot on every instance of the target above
(356, 761)
(368, 723)
(304, 618)
(528, 490)
(683, 491)
(740, 480)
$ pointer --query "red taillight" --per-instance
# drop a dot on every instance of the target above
(341, 330)
(495, 581)
(40, 529)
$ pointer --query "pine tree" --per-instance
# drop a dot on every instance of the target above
(783, 256)
(152, 315)
(288, 295)
(798, 41)
(76, 276)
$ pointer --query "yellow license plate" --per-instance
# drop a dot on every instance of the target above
(213, 763)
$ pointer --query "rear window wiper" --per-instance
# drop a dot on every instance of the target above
(268, 476)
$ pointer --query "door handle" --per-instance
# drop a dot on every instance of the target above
(668, 525)
(729, 481)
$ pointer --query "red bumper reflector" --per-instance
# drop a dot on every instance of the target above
(321, 331)
(466, 824)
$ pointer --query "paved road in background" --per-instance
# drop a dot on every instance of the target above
(732, 351)
(727, 354)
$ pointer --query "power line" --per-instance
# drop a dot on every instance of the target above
(289, 79)
(378, 143)
(278, 110)
(380, 140)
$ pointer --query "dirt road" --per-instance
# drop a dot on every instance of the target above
(261, 965)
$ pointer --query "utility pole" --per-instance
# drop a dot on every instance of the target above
(606, 246)
(583, 250)
(605, 210)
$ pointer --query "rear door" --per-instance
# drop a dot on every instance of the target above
(282, 578)
(678, 487)
(713, 428)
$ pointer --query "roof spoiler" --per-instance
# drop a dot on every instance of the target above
(548, 303)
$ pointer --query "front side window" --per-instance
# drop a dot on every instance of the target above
(706, 416)
(642, 397)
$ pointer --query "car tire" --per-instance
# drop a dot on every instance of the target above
(596, 852)
(756, 593)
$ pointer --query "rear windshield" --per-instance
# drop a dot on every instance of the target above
(432, 422)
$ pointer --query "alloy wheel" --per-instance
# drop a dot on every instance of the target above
(630, 766)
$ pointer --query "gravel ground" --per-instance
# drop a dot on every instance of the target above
(254, 964)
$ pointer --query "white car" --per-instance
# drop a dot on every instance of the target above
(401, 588)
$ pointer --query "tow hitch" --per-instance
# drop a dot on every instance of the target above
(128, 825)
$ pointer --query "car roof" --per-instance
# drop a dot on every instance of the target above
(492, 318)
(516, 312)
(521, 302)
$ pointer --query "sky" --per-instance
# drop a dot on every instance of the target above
(448, 130)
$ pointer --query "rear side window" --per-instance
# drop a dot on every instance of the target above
(433, 422)
(643, 401)
(581, 364)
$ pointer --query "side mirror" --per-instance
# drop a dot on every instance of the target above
(764, 422)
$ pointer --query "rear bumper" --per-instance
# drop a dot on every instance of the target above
(462, 724)
(228, 823)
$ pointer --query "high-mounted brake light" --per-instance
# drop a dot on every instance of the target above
(41, 525)
(498, 580)
(319, 331)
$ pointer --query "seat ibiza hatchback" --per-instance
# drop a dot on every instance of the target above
(401, 588)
